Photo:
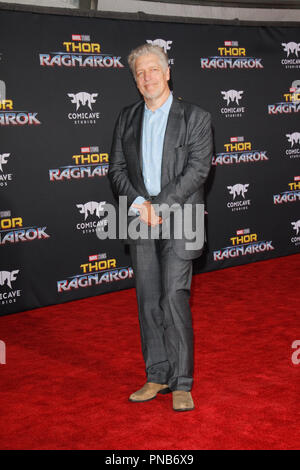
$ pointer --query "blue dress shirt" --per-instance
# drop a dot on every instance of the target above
(153, 134)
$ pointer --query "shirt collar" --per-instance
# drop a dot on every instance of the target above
(165, 108)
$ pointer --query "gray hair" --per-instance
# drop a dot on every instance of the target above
(147, 49)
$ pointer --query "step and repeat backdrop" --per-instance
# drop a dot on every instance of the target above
(63, 82)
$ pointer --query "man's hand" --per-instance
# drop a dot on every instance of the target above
(147, 213)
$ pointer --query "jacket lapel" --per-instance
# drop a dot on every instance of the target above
(172, 134)
(137, 125)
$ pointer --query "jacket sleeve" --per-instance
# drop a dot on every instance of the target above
(118, 173)
(200, 146)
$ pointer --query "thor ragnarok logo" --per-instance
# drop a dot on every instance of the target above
(242, 244)
(231, 56)
(80, 52)
(98, 269)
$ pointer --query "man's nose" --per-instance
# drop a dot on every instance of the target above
(147, 75)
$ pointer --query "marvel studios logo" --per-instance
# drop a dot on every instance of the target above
(81, 37)
(5, 214)
(236, 139)
(97, 257)
(231, 43)
(243, 231)
(296, 178)
(89, 149)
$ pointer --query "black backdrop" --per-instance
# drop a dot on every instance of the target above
(54, 148)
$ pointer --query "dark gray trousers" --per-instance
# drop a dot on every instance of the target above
(163, 282)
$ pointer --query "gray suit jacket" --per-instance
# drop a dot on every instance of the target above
(186, 161)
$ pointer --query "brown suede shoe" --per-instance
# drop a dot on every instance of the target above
(182, 401)
(148, 392)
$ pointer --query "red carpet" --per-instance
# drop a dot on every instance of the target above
(70, 369)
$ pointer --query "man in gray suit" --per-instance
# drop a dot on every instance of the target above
(160, 158)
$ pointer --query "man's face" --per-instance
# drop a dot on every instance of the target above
(151, 78)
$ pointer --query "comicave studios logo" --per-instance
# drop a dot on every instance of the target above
(83, 102)
(238, 191)
(7, 294)
(81, 52)
(292, 50)
(89, 163)
(296, 227)
(4, 177)
(291, 103)
(9, 116)
(294, 141)
(166, 45)
(239, 151)
(242, 244)
(99, 269)
(292, 195)
(232, 97)
(93, 213)
(231, 56)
